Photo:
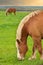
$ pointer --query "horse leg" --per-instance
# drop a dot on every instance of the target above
(14, 13)
(34, 51)
(37, 45)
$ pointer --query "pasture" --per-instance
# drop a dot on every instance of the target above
(8, 27)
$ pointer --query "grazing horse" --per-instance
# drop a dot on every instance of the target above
(11, 10)
(30, 25)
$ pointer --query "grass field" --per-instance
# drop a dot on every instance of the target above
(8, 27)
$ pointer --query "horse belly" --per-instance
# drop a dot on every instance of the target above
(41, 30)
(36, 29)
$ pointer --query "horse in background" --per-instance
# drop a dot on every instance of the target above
(10, 10)
(30, 25)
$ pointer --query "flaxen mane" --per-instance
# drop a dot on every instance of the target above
(23, 21)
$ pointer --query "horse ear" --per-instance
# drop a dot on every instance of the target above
(18, 41)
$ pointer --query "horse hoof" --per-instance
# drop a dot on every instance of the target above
(20, 59)
(31, 58)
(41, 57)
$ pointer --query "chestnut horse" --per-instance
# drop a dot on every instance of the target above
(11, 10)
(31, 25)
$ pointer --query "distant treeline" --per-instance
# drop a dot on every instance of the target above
(22, 8)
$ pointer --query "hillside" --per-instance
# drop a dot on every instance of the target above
(23, 8)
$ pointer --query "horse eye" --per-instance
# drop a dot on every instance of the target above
(18, 41)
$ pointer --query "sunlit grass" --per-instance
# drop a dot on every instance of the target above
(8, 27)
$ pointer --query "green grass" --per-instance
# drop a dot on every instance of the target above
(8, 27)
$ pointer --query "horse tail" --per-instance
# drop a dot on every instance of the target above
(15, 11)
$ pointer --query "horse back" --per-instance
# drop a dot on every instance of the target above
(35, 25)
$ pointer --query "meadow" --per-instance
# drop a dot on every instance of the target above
(8, 28)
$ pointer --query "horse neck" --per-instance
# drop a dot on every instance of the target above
(24, 34)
